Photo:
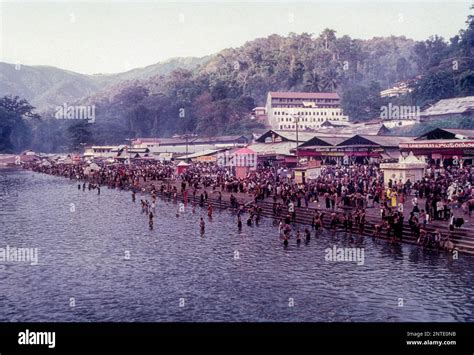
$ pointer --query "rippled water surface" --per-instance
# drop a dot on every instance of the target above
(175, 274)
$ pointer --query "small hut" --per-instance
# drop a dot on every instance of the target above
(409, 168)
(181, 167)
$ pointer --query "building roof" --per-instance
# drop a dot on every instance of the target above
(192, 140)
(369, 140)
(303, 95)
(244, 151)
(103, 147)
(138, 150)
(221, 139)
(452, 106)
(282, 148)
(321, 141)
(201, 153)
(447, 133)
(285, 136)
(461, 133)
(181, 149)
(350, 129)
(163, 141)
(330, 123)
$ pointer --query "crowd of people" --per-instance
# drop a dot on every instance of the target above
(343, 193)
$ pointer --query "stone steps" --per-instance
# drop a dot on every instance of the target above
(462, 239)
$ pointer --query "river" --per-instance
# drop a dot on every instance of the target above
(97, 260)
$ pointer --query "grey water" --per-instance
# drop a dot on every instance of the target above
(99, 261)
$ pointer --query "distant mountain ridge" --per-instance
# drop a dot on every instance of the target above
(47, 86)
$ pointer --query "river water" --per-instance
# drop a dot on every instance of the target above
(99, 261)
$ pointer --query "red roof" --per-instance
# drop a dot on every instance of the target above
(244, 151)
(304, 95)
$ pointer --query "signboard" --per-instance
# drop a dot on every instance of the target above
(313, 173)
(207, 158)
(333, 154)
(299, 175)
(362, 154)
(448, 145)
(165, 156)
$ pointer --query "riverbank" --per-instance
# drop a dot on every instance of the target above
(462, 238)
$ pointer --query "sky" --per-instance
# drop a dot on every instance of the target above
(114, 36)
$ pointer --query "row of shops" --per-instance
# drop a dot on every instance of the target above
(291, 149)
(442, 146)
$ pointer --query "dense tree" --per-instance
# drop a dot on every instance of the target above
(466, 83)
(14, 115)
(363, 102)
(80, 134)
(434, 86)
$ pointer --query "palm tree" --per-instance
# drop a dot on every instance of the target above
(331, 80)
(313, 82)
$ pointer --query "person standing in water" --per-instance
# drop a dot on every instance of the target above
(258, 213)
(239, 223)
(250, 220)
(209, 210)
(202, 225)
(150, 220)
(307, 234)
(133, 196)
(280, 227)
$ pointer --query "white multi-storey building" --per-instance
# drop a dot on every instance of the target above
(309, 109)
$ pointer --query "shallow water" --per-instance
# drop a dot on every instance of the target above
(175, 274)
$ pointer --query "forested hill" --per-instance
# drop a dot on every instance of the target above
(216, 95)
(45, 86)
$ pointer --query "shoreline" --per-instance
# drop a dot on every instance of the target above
(303, 214)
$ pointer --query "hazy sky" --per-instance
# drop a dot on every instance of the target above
(113, 36)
